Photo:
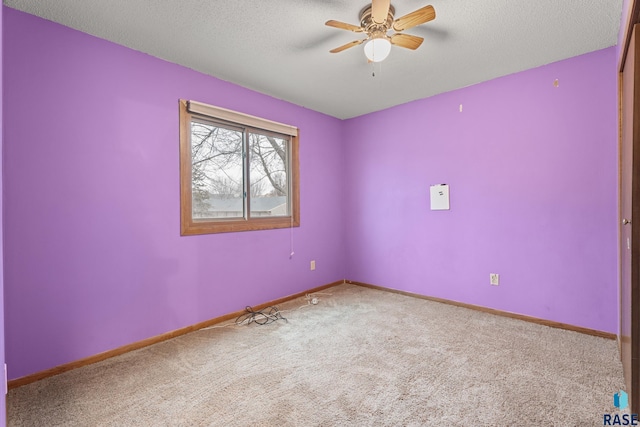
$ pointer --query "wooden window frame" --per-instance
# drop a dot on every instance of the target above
(190, 226)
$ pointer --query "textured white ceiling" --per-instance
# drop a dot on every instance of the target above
(281, 47)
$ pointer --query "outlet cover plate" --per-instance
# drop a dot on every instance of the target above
(494, 279)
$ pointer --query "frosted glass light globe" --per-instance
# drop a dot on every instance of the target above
(377, 49)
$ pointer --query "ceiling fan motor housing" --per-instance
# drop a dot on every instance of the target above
(371, 27)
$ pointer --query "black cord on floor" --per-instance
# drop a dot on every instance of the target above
(261, 317)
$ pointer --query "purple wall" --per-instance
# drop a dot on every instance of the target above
(533, 178)
(94, 258)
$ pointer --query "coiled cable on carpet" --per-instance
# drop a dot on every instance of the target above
(276, 314)
(261, 317)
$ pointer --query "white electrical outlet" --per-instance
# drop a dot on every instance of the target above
(313, 265)
(494, 279)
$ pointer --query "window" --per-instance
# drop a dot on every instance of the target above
(237, 172)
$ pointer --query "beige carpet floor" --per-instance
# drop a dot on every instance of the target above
(359, 357)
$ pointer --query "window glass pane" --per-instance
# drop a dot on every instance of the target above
(217, 184)
(268, 175)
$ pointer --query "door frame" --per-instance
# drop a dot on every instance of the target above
(631, 368)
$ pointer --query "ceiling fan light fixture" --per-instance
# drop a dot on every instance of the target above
(377, 49)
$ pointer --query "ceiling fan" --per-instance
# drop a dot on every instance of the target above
(376, 20)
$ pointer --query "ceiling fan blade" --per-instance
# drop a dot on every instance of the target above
(406, 40)
(380, 10)
(344, 26)
(347, 46)
(420, 16)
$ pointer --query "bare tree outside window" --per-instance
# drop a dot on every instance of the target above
(217, 182)
(235, 175)
(268, 174)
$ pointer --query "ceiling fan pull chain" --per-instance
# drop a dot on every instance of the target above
(373, 68)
